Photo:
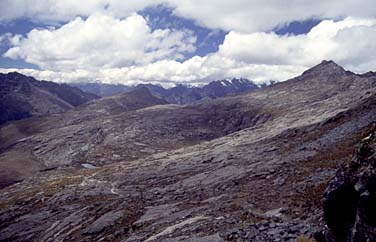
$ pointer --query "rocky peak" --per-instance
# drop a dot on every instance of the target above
(326, 68)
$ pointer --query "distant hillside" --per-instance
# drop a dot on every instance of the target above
(179, 94)
(124, 102)
(101, 89)
(22, 96)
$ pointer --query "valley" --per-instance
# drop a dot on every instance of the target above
(247, 167)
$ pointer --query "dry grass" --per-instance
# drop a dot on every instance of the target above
(44, 189)
(302, 238)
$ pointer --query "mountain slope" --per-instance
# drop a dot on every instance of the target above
(133, 100)
(22, 97)
(63, 129)
(247, 167)
(101, 89)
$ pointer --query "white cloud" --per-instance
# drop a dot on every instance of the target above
(236, 15)
(100, 41)
(357, 48)
(167, 73)
(346, 42)
(66, 10)
(9, 39)
(254, 15)
(77, 75)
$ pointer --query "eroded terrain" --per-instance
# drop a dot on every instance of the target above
(251, 167)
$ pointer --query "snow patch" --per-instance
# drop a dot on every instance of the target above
(224, 83)
(88, 166)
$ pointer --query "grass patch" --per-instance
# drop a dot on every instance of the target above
(302, 238)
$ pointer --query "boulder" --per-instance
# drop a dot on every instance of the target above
(104, 221)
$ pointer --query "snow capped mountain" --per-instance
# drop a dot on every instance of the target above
(180, 94)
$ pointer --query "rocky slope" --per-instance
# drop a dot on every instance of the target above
(250, 167)
(179, 94)
(22, 97)
(349, 200)
(102, 89)
(70, 135)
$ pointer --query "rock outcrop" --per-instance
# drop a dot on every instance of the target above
(350, 199)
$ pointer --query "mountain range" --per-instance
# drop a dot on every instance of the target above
(133, 167)
(22, 97)
(180, 94)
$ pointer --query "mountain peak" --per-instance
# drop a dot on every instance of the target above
(328, 62)
(141, 91)
(326, 67)
(142, 94)
(232, 82)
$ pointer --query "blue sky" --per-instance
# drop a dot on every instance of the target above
(170, 41)
(19, 26)
(161, 17)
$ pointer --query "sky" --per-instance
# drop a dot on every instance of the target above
(183, 41)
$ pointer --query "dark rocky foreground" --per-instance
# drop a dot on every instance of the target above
(244, 168)
(350, 199)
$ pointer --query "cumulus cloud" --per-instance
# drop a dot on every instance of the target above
(344, 41)
(194, 71)
(100, 41)
(56, 76)
(57, 10)
(8, 39)
(236, 15)
(253, 15)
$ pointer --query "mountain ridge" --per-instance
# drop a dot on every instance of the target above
(23, 97)
(180, 94)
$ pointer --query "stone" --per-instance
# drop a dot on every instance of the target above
(104, 221)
